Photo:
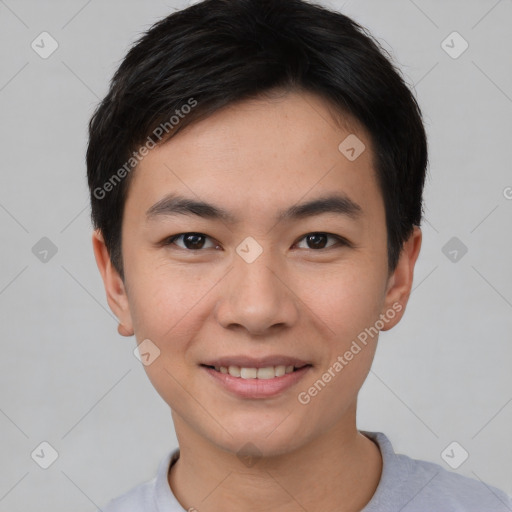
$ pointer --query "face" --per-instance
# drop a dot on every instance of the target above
(285, 265)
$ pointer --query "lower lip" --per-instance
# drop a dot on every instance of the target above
(257, 388)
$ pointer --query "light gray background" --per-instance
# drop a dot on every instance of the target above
(66, 376)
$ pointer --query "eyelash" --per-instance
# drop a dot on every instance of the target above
(340, 240)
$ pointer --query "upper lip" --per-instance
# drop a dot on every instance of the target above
(252, 362)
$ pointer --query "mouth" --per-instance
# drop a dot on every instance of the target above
(260, 373)
(249, 378)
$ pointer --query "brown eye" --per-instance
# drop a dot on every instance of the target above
(319, 241)
(191, 241)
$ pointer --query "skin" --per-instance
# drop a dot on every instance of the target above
(254, 159)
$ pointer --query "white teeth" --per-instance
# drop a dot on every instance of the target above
(248, 373)
(268, 372)
(234, 371)
(280, 370)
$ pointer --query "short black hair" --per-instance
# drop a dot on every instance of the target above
(214, 53)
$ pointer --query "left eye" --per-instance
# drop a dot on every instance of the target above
(191, 241)
(318, 240)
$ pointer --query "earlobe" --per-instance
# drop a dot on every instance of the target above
(124, 331)
(114, 286)
(400, 282)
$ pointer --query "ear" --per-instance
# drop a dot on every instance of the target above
(400, 282)
(114, 286)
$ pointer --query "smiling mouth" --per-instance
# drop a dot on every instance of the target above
(269, 372)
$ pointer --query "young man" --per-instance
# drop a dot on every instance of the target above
(256, 174)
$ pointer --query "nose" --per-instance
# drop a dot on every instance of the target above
(256, 298)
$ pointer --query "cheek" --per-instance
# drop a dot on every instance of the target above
(348, 303)
(345, 300)
(165, 300)
(169, 308)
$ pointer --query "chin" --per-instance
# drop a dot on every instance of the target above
(270, 437)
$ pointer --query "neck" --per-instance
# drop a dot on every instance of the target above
(340, 471)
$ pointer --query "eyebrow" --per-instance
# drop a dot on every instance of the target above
(173, 204)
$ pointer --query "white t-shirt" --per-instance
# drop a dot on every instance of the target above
(406, 485)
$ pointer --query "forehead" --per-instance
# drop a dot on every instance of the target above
(270, 152)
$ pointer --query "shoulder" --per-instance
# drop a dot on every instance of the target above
(154, 495)
(450, 491)
(138, 498)
(413, 485)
